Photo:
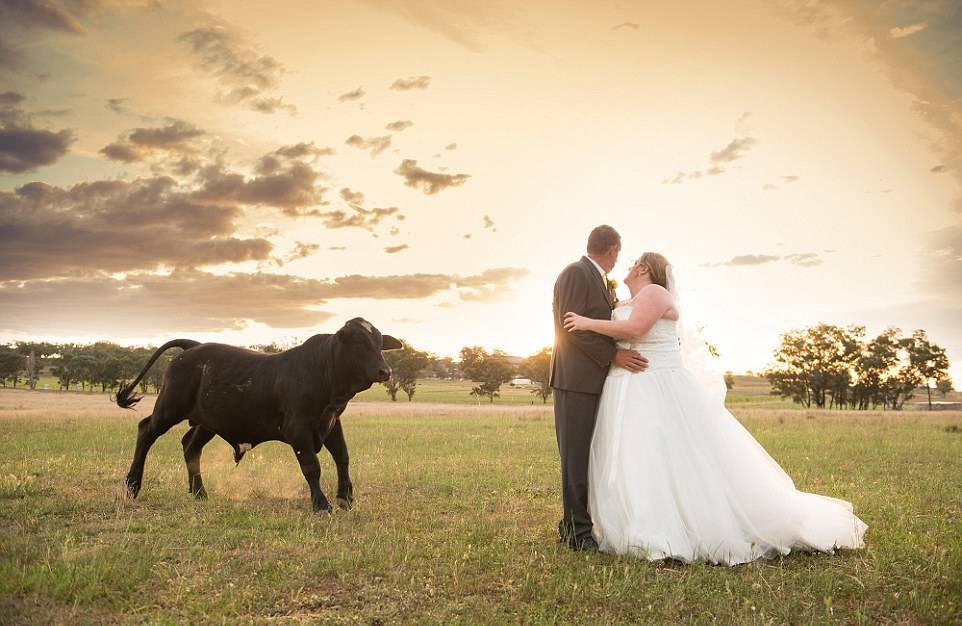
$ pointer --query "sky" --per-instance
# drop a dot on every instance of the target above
(250, 172)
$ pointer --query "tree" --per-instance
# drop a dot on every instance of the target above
(537, 368)
(443, 367)
(944, 386)
(729, 381)
(11, 364)
(814, 365)
(406, 365)
(64, 365)
(929, 361)
(392, 384)
(33, 370)
(490, 370)
(874, 370)
(155, 376)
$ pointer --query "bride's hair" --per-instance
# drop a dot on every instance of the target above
(657, 267)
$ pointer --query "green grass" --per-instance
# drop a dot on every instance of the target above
(454, 522)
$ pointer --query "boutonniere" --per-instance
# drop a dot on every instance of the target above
(613, 289)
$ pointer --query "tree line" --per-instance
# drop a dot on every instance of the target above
(835, 367)
(490, 370)
(824, 366)
(108, 366)
(102, 365)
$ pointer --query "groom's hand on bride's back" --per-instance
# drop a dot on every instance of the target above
(631, 360)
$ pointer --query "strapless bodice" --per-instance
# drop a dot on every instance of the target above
(659, 345)
(663, 336)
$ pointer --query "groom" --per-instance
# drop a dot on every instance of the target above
(579, 365)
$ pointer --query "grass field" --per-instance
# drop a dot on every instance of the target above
(454, 522)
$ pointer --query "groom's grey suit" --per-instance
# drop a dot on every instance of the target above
(579, 365)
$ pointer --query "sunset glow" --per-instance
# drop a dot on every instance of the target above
(262, 171)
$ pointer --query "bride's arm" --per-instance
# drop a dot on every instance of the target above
(650, 305)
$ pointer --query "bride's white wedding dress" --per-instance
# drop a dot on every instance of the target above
(674, 475)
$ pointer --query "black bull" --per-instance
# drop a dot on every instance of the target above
(246, 397)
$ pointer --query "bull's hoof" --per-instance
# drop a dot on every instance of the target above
(195, 487)
(132, 489)
(322, 507)
(345, 503)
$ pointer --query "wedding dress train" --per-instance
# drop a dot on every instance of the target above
(674, 475)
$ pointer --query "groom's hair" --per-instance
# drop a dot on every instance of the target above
(602, 238)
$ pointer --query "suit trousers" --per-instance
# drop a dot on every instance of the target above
(574, 420)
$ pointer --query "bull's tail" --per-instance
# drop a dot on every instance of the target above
(126, 397)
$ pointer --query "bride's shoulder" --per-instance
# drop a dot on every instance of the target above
(654, 291)
(648, 293)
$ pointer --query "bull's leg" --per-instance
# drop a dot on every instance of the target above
(336, 445)
(311, 468)
(194, 441)
(148, 430)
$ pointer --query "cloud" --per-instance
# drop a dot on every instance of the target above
(746, 259)
(303, 249)
(938, 169)
(120, 151)
(191, 300)
(247, 76)
(337, 248)
(904, 31)
(768, 186)
(399, 125)
(356, 94)
(790, 178)
(139, 143)
(290, 187)
(926, 68)
(284, 179)
(804, 259)
(352, 197)
(488, 222)
(56, 16)
(303, 151)
(10, 99)
(24, 147)
(451, 146)
(942, 267)
(396, 249)
(463, 23)
(116, 226)
(631, 25)
(413, 82)
(733, 151)
(428, 182)
(376, 145)
(359, 218)
(117, 105)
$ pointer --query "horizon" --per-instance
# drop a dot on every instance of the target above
(256, 172)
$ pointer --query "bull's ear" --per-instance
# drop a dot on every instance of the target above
(390, 343)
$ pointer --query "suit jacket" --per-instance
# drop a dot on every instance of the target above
(580, 360)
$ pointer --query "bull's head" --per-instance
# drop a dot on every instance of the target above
(362, 344)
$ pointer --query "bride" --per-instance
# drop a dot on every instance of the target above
(672, 474)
